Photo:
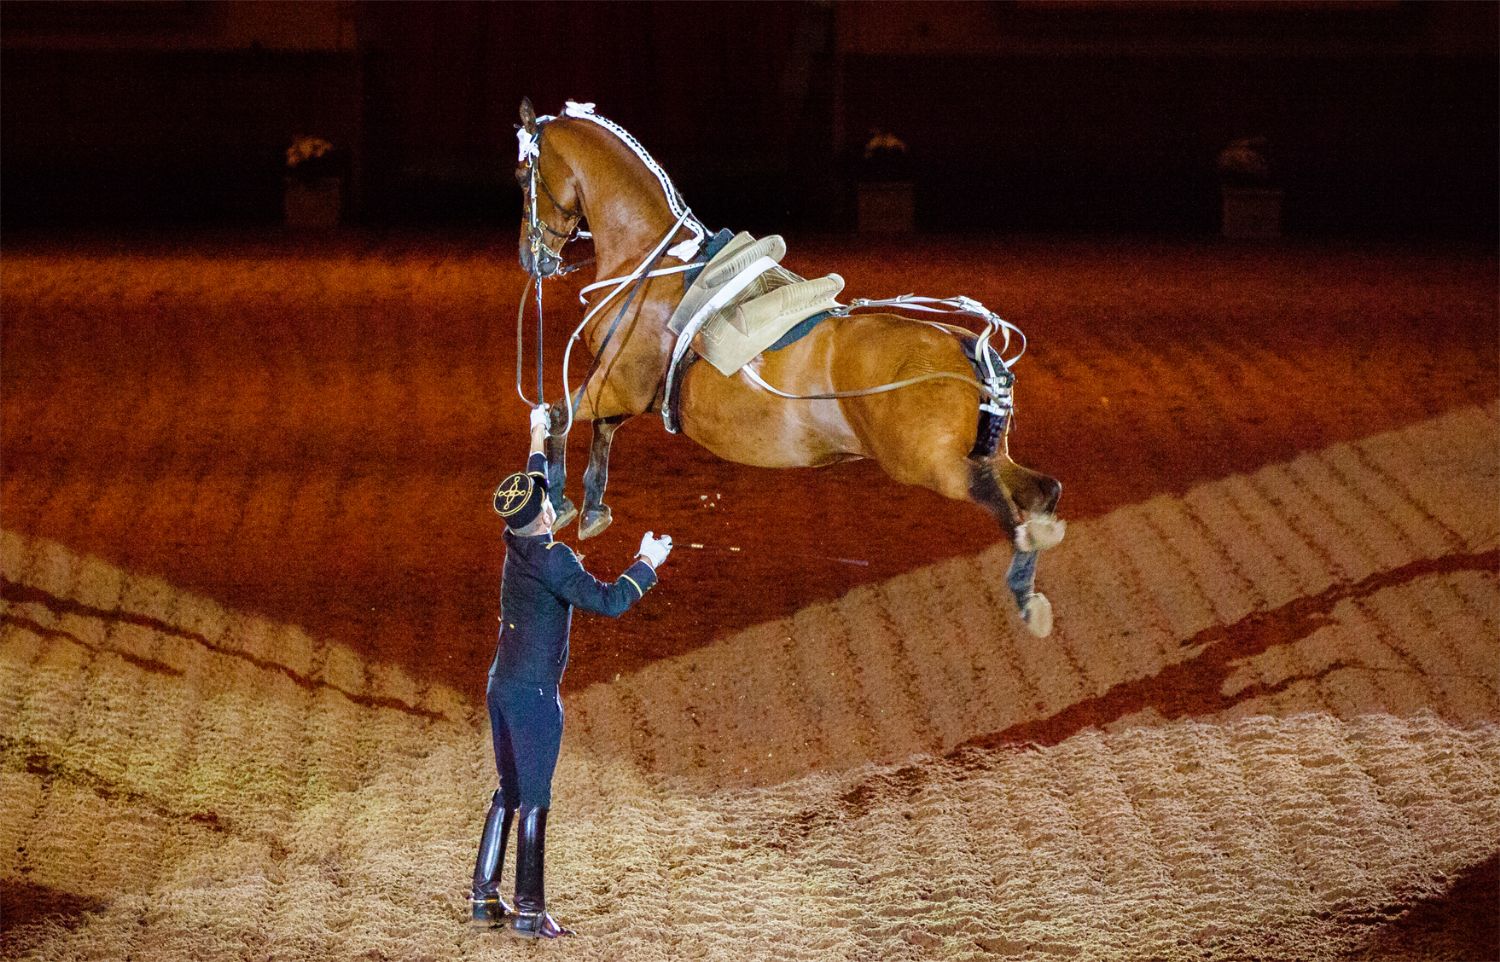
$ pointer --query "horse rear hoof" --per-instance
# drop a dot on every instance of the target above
(594, 522)
(1038, 615)
(565, 515)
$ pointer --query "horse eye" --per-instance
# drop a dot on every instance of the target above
(521, 176)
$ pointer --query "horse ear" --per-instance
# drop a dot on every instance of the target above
(528, 115)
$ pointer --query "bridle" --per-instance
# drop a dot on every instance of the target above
(547, 261)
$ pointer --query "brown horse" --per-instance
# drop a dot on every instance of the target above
(921, 435)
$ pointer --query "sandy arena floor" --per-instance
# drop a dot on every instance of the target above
(249, 592)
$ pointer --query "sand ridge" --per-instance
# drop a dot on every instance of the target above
(1287, 735)
(307, 430)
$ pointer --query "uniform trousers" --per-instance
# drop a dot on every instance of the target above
(526, 722)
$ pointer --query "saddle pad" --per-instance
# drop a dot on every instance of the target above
(800, 330)
(713, 276)
(730, 266)
(711, 249)
(730, 340)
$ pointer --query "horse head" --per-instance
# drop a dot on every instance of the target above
(552, 207)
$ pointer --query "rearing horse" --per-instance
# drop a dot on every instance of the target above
(580, 169)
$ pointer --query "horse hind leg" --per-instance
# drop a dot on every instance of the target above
(985, 488)
(556, 449)
(1036, 495)
(596, 514)
(1020, 578)
(1035, 609)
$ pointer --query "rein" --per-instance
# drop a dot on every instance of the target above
(573, 398)
(638, 277)
(529, 142)
(995, 386)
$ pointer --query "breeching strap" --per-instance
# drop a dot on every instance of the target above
(755, 378)
(996, 386)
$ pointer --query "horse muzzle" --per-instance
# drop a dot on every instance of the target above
(539, 261)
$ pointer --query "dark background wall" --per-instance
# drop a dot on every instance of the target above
(1024, 115)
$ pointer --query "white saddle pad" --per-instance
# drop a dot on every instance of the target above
(739, 254)
(733, 337)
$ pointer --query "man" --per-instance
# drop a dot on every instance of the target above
(543, 582)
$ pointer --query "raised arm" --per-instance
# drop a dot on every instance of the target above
(573, 584)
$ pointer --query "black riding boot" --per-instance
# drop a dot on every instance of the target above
(532, 920)
(486, 907)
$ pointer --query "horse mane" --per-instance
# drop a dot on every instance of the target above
(621, 138)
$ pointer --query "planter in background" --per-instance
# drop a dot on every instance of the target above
(1252, 213)
(887, 207)
(313, 204)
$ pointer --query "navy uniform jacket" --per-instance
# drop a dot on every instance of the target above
(542, 584)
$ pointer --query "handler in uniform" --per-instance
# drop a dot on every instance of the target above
(543, 582)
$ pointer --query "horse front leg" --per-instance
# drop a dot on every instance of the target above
(557, 468)
(596, 514)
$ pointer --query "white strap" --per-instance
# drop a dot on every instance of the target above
(618, 281)
(639, 272)
(721, 297)
(957, 305)
(755, 378)
(994, 391)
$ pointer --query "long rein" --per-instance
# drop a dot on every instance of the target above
(635, 280)
(996, 387)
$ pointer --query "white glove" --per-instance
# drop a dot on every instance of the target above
(654, 549)
(540, 418)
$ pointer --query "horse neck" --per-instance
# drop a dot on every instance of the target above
(626, 210)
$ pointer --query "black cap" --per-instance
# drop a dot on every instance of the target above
(519, 498)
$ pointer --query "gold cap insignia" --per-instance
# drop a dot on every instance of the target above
(513, 494)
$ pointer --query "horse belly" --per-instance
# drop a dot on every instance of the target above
(739, 422)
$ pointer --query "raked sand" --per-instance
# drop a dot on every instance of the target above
(1266, 727)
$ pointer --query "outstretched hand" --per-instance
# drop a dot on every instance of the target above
(655, 550)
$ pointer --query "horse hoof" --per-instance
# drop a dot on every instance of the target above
(565, 515)
(1038, 615)
(1040, 532)
(594, 522)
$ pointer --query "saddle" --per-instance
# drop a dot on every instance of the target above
(743, 301)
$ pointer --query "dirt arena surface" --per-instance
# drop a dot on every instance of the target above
(250, 583)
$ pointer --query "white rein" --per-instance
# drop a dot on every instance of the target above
(618, 284)
(995, 386)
